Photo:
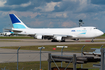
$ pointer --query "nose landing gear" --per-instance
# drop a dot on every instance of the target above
(92, 40)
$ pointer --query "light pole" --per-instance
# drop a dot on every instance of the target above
(82, 54)
(62, 50)
(62, 53)
(40, 54)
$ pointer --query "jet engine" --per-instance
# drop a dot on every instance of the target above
(58, 38)
(38, 36)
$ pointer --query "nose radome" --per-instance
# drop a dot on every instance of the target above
(101, 33)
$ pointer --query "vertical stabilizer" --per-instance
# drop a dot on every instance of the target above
(17, 23)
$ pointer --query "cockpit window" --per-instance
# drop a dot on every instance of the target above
(95, 28)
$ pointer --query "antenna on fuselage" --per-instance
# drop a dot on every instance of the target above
(80, 22)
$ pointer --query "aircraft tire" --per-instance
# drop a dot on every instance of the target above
(63, 41)
(54, 40)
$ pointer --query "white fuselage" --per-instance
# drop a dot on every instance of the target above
(77, 32)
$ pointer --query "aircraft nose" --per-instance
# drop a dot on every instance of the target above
(101, 33)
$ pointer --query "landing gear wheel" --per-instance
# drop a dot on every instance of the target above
(77, 39)
(92, 40)
(63, 41)
(54, 40)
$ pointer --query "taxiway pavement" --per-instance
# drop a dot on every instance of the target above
(35, 42)
(10, 55)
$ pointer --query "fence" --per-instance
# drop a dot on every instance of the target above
(29, 60)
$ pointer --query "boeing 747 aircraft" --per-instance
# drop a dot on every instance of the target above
(58, 34)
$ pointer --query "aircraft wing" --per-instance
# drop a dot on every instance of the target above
(14, 30)
(48, 36)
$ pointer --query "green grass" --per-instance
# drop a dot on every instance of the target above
(10, 40)
(72, 47)
(36, 65)
(17, 37)
(103, 34)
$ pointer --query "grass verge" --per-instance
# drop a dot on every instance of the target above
(16, 37)
(36, 65)
(71, 47)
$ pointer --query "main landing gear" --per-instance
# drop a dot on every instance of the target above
(53, 40)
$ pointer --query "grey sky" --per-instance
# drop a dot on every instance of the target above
(54, 13)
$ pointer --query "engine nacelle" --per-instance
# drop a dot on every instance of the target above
(38, 36)
(59, 38)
